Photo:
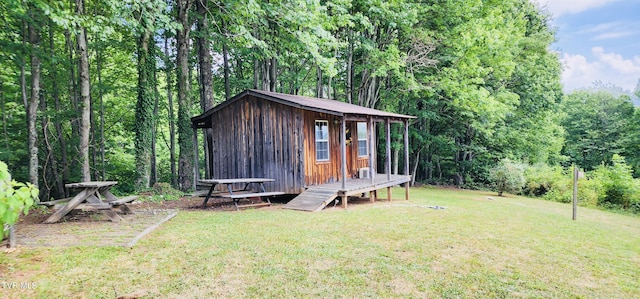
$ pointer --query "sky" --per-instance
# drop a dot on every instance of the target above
(597, 40)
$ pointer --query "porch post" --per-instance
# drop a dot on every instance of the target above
(343, 152)
(196, 167)
(388, 156)
(406, 158)
(388, 149)
(372, 149)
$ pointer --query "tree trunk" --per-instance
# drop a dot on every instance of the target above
(172, 127)
(185, 133)
(59, 180)
(415, 167)
(206, 76)
(144, 108)
(32, 108)
(319, 93)
(349, 79)
(273, 74)
(4, 117)
(154, 130)
(85, 96)
(256, 74)
(103, 174)
(225, 60)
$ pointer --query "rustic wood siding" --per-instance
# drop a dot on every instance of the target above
(320, 172)
(259, 138)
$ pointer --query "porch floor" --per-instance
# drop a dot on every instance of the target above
(315, 198)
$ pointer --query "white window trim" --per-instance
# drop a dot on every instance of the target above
(315, 127)
(366, 139)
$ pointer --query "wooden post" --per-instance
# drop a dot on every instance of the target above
(406, 158)
(12, 236)
(388, 149)
(343, 153)
(575, 192)
(372, 148)
(344, 201)
(388, 193)
(196, 167)
(372, 198)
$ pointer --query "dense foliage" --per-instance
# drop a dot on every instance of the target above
(479, 76)
(15, 198)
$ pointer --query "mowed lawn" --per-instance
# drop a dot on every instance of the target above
(476, 247)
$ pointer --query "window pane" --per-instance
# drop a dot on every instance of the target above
(362, 130)
(362, 147)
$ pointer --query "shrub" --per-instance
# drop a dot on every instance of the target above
(15, 198)
(617, 184)
(542, 178)
(507, 176)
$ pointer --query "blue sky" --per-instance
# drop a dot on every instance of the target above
(598, 40)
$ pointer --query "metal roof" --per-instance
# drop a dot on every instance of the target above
(305, 103)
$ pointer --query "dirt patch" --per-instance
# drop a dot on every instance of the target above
(94, 229)
(89, 229)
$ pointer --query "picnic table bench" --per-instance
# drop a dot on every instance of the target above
(92, 196)
(237, 195)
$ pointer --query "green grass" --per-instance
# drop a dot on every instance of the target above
(507, 247)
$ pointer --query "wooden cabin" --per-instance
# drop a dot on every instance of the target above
(299, 141)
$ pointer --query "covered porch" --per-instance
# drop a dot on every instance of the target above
(317, 197)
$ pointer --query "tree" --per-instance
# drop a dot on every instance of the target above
(507, 176)
(85, 94)
(185, 134)
(597, 125)
(145, 108)
(32, 107)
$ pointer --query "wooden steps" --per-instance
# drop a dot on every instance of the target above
(312, 200)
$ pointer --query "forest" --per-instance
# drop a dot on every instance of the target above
(105, 89)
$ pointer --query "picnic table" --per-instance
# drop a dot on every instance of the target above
(237, 195)
(92, 196)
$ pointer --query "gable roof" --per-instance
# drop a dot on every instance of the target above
(306, 103)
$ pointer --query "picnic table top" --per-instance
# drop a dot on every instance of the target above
(93, 184)
(233, 181)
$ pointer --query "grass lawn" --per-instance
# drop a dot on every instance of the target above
(507, 247)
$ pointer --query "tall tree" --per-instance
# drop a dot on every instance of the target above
(32, 107)
(145, 114)
(597, 125)
(185, 133)
(85, 94)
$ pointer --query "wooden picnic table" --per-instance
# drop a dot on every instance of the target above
(94, 196)
(237, 195)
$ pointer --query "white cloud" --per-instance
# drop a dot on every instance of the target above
(607, 67)
(560, 7)
(612, 35)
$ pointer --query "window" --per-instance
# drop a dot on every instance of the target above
(322, 140)
(362, 139)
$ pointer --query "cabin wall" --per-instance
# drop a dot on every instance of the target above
(320, 172)
(257, 138)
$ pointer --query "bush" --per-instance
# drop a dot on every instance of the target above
(15, 198)
(542, 178)
(618, 188)
(507, 176)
